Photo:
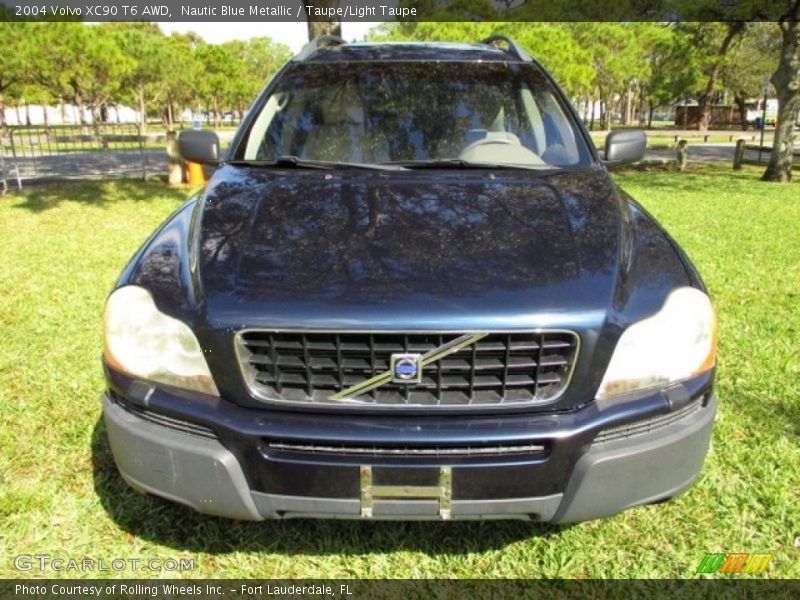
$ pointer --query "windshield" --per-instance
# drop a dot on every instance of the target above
(415, 112)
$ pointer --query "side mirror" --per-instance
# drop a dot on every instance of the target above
(199, 146)
(625, 145)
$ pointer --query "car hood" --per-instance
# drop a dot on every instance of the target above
(441, 249)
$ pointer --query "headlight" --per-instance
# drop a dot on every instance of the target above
(679, 341)
(144, 342)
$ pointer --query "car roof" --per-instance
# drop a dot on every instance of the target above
(407, 51)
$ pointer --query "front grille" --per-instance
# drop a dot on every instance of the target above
(499, 369)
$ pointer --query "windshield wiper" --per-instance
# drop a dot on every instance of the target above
(302, 163)
(460, 163)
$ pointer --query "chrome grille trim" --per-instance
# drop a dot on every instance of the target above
(408, 450)
(307, 367)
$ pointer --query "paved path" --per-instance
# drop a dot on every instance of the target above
(707, 153)
(87, 165)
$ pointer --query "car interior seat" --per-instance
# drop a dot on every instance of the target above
(341, 133)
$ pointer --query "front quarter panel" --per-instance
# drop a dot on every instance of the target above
(166, 264)
(651, 266)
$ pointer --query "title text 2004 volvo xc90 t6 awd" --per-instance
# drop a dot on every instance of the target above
(410, 290)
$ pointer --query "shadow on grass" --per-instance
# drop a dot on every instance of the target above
(779, 417)
(181, 528)
(100, 192)
(705, 178)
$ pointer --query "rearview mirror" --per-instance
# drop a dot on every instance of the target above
(625, 145)
(199, 146)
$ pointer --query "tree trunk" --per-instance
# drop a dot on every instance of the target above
(174, 162)
(786, 80)
(3, 124)
(168, 113)
(735, 29)
(608, 116)
(317, 26)
(740, 101)
(627, 115)
(605, 115)
(643, 106)
(79, 105)
(142, 113)
(624, 103)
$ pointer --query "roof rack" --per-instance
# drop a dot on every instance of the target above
(513, 48)
(318, 42)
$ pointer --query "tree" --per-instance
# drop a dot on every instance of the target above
(83, 64)
(109, 68)
(671, 70)
(218, 69)
(711, 43)
(12, 64)
(756, 56)
(257, 60)
(556, 46)
(786, 80)
(146, 46)
(182, 82)
(618, 57)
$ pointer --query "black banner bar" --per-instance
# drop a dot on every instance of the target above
(353, 589)
(394, 10)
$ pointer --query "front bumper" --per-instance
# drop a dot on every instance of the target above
(587, 464)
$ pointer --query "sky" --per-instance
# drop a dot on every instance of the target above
(293, 34)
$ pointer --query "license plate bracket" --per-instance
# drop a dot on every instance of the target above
(442, 491)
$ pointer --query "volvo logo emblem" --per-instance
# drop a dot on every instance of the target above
(406, 368)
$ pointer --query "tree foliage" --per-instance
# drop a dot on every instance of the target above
(630, 69)
(97, 66)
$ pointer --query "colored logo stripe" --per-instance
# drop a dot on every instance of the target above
(734, 563)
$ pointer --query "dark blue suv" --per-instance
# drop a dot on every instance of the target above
(410, 291)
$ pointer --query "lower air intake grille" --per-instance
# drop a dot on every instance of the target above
(644, 426)
(498, 369)
(503, 451)
(165, 421)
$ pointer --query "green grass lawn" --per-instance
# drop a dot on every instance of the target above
(64, 245)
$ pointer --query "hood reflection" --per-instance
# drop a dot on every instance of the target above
(386, 237)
